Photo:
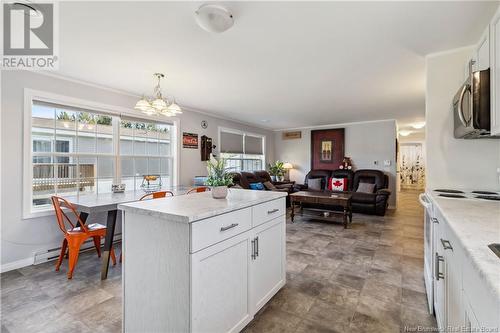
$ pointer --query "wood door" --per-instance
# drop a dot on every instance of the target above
(327, 148)
(219, 286)
(268, 271)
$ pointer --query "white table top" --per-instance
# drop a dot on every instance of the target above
(93, 203)
(198, 206)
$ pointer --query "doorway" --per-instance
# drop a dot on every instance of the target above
(412, 166)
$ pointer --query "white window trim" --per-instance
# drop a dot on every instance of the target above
(30, 95)
(243, 133)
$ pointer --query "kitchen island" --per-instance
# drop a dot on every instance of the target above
(197, 264)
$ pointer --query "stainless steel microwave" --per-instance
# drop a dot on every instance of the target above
(471, 107)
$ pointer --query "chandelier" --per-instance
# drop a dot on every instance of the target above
(157, 105)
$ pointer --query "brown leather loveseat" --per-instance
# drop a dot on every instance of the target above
(366, 203)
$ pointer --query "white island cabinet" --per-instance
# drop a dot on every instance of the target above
(197, 264)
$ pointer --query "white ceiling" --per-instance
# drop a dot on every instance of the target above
(282, 64)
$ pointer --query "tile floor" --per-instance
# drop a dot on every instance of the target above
(364, 279)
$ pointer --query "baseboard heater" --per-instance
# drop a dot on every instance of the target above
(53, 254)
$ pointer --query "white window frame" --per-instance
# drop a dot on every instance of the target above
(243, 133)
(31, 95)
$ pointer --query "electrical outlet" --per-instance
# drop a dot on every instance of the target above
(387, 163)
(375, 162)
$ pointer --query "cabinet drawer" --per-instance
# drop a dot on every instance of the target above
(218, 228)
(268, 211)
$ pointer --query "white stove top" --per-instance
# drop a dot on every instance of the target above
(467, 194)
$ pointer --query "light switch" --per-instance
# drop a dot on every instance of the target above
(387, 163)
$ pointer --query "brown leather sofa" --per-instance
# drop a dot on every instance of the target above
(366, 203)
(244, 179)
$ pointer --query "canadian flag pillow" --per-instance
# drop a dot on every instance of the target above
(337, 184)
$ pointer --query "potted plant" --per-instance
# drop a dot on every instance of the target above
(218, 177)
(277, 171)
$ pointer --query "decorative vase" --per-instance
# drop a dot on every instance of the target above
(219, 192)
(273, 178)
(280, 178)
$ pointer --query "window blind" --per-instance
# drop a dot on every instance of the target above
(253, 145)
(231, 143)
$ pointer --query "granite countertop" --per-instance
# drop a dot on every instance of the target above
(476, 224)
(197, 206)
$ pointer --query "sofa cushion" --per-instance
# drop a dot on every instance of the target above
(366, 188)
(361, 197)
(315, 184)
(337, 184)
(257, 186)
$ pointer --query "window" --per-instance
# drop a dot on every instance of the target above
(76, 151)
(145, 149)
(242, 151)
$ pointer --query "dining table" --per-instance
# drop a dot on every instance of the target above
(87, 204)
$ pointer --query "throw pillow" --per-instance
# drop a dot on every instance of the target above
(314, 184)
(337, 184)
(256, 186)
(366, 188)
(269, 186)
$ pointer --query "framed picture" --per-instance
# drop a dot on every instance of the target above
(327, 148)
(190, 140)
(326, 152)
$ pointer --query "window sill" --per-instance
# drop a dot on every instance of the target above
(38, 213)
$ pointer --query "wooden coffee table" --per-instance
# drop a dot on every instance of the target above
(338, 199)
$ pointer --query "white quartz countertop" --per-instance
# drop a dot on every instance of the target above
(476, 224)
(198, 206)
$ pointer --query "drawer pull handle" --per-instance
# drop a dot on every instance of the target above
(446, 244)
(231, 226)
(438, 259)
(256, 247)
(273, 211)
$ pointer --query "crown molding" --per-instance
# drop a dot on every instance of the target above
(335, 125)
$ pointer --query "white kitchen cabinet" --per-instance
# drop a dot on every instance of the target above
(495, 73)
(268, 271)
(482, 52)
(453, 256)
(220, 286)
(439, 271)
(185, 273)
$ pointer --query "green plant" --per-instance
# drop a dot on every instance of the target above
(276, 168)
(218, 174)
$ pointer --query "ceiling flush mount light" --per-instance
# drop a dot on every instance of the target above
(157, 105)
(214, 18)
(404, 133)
(418, 125)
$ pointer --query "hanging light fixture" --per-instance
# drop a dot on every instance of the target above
(157, 105)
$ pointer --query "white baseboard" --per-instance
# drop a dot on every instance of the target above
(45, 256)
(17, 264)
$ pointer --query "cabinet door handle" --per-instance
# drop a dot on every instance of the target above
(446, 244)
(273, 211)
(253, 249)
(231, 226)
(437, 261)
(435, 220)
(256, 247)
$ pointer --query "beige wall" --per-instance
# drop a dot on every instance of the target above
(454, 163)
(367, 143)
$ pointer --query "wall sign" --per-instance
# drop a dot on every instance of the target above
(189, 140)
(291, 135)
